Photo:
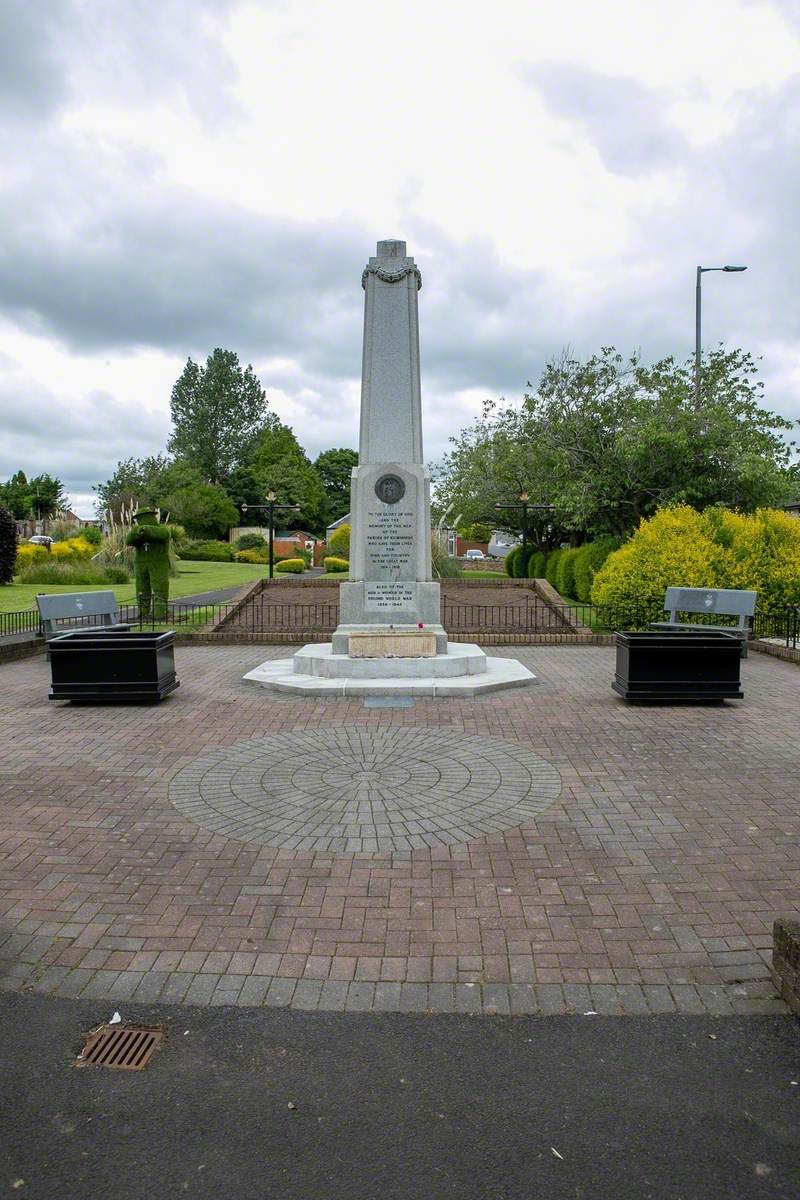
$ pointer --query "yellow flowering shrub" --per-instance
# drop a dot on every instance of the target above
(672, 548)
(764, 556)
(29, 553)
(680, 547)
(72, 550)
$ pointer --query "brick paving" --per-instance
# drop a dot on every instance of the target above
(648, 883)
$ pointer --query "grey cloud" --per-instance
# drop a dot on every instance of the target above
(628, 123)
(80, 442)
(32, 79)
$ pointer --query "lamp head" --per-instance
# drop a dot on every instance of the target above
(734, 268)
(523, 497)
(270, 495)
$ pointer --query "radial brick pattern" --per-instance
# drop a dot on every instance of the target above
(359, 789)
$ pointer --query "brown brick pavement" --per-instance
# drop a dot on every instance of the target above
(650, 884)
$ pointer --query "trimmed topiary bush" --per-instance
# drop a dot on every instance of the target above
(565, 576)
(256, 555)
(510, 561)
(8, 545)
(588, 561)
(334, 565)
(290, 566)
(339, 542)
(536, 564)
(551, 570)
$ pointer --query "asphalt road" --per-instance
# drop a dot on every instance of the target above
(250, 1104)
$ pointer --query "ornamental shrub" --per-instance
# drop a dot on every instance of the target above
(76, 572)
(565, 575)
(676, 547)
(206, 551)
(250, 541)
(74, 549)
(510, 561)
(551, 570)
(339, 542)
(291, 566)
(334, 565)
(588, 561)
(536, 564)
(29, 553)
(763, 553)
(258, 554)
(8, 545)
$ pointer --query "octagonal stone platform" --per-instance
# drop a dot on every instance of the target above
(464, 670)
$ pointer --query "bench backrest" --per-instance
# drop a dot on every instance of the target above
(99, 608)
(727, 601)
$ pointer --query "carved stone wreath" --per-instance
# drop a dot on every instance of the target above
(389, 275)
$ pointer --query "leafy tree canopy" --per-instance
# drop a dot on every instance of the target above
(42, 496)
(608, 441)
(217, 410)
(334, 468)
(203, 509)
(144, 482)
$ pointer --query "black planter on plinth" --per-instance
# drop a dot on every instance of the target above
(678, 665)
(117, 668)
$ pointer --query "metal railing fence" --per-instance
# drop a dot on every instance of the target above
(533, 616)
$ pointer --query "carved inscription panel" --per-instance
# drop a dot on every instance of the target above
(390, 597)
(390, 537)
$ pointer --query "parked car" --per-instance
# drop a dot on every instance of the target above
(474, 554)
(41, 539)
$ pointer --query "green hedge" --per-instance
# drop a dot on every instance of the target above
(334, 565)
(250, 541)
(588, 561)
(536, 565)
(551, 570)
(565, 575)
(290, 566)
(206, 551)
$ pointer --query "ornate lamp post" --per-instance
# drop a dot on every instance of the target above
(524, 506)
(271, 508)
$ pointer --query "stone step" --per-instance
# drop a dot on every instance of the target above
(462, 658)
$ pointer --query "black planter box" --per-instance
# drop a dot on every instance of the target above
(115, 667)
(678, 665)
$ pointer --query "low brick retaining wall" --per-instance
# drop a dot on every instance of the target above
(786, 961)
(776, 651)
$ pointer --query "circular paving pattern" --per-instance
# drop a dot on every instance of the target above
(360, 789)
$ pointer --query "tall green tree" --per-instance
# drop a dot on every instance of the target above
(140, 482)
(334, 468)
(607, 441)
(217, 410)
(40, 497)
(203, 509)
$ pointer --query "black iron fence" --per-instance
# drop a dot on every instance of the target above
(529, 617)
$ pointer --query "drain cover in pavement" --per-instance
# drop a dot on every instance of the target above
(121, 1047)
(388, 702)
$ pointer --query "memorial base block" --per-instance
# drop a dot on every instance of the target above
(389, 603)
(342, 644)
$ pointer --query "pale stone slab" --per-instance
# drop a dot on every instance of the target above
(392, 645)
(500, 673)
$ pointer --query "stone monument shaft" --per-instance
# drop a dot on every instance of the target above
(391, 407)
(390, 538)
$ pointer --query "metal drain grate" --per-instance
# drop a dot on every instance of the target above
(121, 1047)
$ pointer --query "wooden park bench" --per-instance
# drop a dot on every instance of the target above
(70, 612)
(723, 601)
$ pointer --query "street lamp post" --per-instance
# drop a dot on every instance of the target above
(697, 343)
(523, 506)
(271, 507)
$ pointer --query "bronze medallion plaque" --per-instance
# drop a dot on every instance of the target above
(390, 489)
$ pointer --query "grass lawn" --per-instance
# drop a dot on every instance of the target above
(194, 578)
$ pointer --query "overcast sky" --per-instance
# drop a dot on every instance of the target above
(184, 174)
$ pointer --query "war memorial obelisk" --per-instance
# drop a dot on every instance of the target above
(390, 507)
(389, 639)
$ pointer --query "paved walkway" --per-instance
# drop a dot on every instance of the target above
(548, 849)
